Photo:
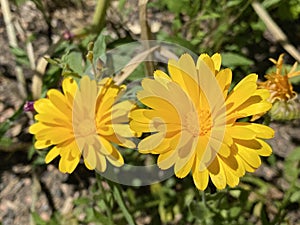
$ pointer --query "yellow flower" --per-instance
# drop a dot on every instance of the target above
(194, 124)
(84, 121)
(278, 82)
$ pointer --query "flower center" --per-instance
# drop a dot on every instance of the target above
(198, 124)
(205, 122)
(85, 128)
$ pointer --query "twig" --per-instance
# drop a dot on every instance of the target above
(133, 64)
(275, 30)
(12, 40)
(145, 35)
(37, 81)
(29, 47)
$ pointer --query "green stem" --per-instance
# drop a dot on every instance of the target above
(106, 201)
(99, 15)
(203, 197)
(98, 22)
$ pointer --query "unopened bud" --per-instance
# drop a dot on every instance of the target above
(285, 110)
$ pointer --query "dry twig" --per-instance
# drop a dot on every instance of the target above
(275, 30)
(12, 40)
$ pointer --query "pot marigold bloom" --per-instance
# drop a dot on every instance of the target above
(83, 120)
(282, 95)
(193, 121)
(278, 82)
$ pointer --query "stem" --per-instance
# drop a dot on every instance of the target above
(120, 200)
(106, 201)
(99, 15)
(203, 197)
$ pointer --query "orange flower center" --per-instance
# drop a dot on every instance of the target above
(205, 122)
(198, 125)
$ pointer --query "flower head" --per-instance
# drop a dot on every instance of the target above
(282, 96)
(83, 120)
(278, 82)
(194, 121)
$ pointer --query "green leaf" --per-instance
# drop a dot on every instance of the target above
(21, 56)
(99, 47)
(295, 197)
(233, 60)
(119, 199)
(291, 164)
(200, 211)
(82, 201)
(37, 219)
(235, 211)
(74, 61)
(270, 3)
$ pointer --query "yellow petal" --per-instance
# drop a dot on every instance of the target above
(52, 154)
(59, 101)
(265, 149)
(231, 179)
(116, 159)
(151, 142)
(241, 132)
(73, 164)
(40, 144)
(105, 146)
(56, 135)
(241, 92)
(261, 131)
(217, 174)
(167, 159)
(249, 155)
(90, 156)
(207, 60)
(161, 77)
(101, 163)
(200, 178)
(217, 59)
(224, 78)
(182, 169)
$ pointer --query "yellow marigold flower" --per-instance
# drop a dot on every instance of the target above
(278, 82)
(194, 124)
(83, 120)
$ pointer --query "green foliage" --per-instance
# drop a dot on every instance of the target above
(21, 56)
(233, 60)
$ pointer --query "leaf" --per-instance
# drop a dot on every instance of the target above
(295, 197)
(291, 164)
(270, 3)
(21, 56)
(100, 48)
(233, 60)
(37, 219)
(74, 61)
(200, 211)
(119, 199)
(82, 201)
